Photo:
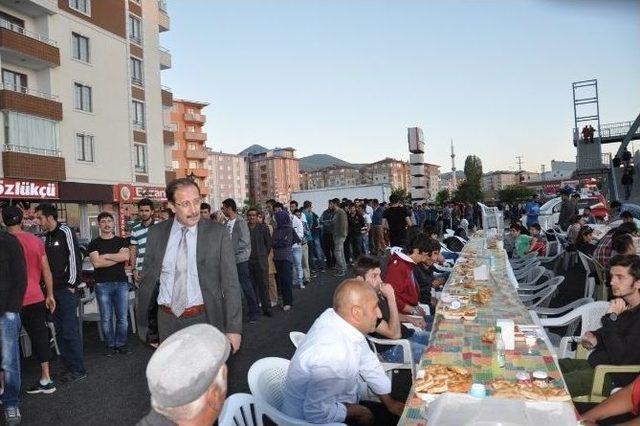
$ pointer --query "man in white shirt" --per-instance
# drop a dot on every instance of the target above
(334, 366)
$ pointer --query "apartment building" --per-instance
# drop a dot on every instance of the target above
(432, 180)
(189, 153)
(497, 180)
(81, 103)
(393, 172)
(274, 173)
(228, 178)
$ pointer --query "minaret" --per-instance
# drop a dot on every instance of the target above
(454, 180)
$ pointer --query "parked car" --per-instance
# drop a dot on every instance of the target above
(550, 211)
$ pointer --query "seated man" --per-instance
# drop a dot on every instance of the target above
(602, 252)
(617, 342)
(334, 365)
(626, 400)
(390, 325)
(400, 273)
(187, 377)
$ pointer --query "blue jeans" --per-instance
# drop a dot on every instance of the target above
(65, 319)
(449, 255)
(317, 251)
(113, 296)
(418, 342)
(9, 334)
(297, 264)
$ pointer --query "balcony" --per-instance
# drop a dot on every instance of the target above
(164, 22)
(165, 58)
(201, 173)
(166, 95)
(195, 154)
(195, 118)
(29, 101)
(32, 8)
(32, 165)
(193, 136)
(168, 136)
(27, 49)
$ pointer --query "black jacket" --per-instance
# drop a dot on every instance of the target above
(64, 257)
(13, 273)
(260, 242)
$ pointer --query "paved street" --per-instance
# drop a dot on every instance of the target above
(115, 391)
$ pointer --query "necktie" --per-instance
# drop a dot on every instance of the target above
(179, 293)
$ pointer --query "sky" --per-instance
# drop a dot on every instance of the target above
(347, 77)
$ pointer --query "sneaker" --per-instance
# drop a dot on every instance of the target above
(286, 308)
(267, 312)
(12, 416)
(274, 304)
(122, 350)
(109, 352)
(40, 388)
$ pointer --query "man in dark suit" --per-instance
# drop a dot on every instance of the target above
(194, 262)
(259, 258)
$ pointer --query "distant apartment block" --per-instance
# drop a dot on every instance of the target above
(189, 154)
(228, 178)
(393, 172)
(330, 177)
(274, 173)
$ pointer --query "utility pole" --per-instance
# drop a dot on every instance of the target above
(520, 178)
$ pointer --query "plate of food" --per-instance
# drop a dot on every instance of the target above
(535, 390)
(437, 379)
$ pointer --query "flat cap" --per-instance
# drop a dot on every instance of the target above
(185, 365)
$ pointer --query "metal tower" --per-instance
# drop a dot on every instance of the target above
(454, 178)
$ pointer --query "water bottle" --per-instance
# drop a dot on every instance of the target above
(500, 348)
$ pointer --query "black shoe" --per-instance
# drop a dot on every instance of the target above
(253, 320)
(72, 377)
(40, 388)
(110, 352)
(267, 313)
(122, 350)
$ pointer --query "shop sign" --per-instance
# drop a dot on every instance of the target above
(28, 189)
(128, 193)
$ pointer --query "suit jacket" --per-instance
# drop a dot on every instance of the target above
(217, 274)
(241, 240)
(260, 243)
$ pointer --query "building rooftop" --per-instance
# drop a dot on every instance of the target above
(191, 102)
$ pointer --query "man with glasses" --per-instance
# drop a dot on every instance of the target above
(194, 261)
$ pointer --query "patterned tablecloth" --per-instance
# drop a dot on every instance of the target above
(459, 343)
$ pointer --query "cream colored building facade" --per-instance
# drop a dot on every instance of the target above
(228, 178)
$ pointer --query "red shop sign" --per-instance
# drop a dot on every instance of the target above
(28, 189)
(127, 193)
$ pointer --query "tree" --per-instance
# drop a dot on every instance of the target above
(473, 170)
(442, 196)
(515, 193)
(468, 193)
(402, 194)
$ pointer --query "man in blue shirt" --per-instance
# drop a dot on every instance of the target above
(533, 210)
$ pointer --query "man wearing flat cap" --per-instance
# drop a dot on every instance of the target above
(187, 378)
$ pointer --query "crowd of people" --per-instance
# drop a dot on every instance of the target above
(201, 276)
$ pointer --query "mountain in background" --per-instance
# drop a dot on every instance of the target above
(320, 161)
(253, 150)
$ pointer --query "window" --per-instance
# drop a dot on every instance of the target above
(15, 81)
(80, 47)
(26, 133)
(11, 22)
(191, 128)
(192, 146)
(83, 100)
(138, 114)
(136, 72)
(175, 164)
(82, 6)
(135, 29)
(193, 164)
(141, 158)
(84, 147)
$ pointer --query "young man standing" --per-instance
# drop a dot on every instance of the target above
(205, 211)
(13, 283)
(65, 262)
(258, 260)
(34, 304)
(340, 230)
(533, 210)
(108, 254)
(390, 325)
(137, 249)
(617, 342)
(241, 241)
(396, 219)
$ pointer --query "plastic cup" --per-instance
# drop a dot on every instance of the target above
(478, 390)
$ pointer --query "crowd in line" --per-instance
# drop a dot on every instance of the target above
(200, 277)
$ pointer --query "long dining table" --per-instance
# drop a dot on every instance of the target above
(459, 343)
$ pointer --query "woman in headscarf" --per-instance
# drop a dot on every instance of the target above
(283, 239)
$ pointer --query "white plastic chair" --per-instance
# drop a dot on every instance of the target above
(243, 409)
(591, 274)
(520, 273)
(540, 298)
(589, 314)
(522, 260)
(296, 338)
(407, 361)
(555, 281)
(531, 277)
